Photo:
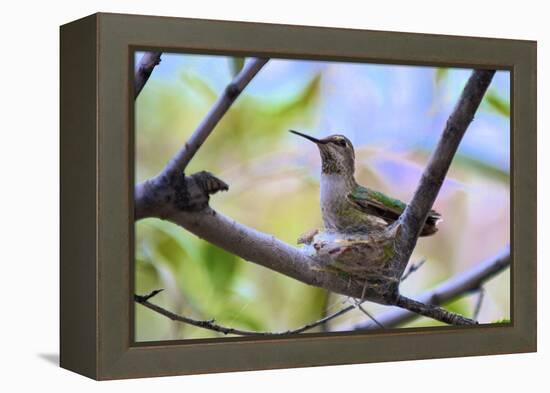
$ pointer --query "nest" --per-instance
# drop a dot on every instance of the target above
(365, 259)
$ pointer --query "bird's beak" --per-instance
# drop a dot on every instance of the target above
(314, 140)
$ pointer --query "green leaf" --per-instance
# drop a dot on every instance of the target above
(476, 166)
(170, 251)
(440, 74)
(186, 242)
(146, 277)
(199, 86)
(483, 168)
(221, 266)
(497, 103)
(237, 64)
(300, 101)
(459, 306)
(173, 250)
(318, 301)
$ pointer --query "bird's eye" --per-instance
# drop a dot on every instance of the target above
(340, 142)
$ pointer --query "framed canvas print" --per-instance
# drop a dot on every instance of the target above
(240, 196)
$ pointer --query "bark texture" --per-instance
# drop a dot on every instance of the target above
(366, 266)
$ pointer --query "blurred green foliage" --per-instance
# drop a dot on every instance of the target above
(440, 74)
(497, 103)
(274, 188)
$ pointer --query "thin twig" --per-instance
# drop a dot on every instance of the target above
(148, 62)
(144, 298)
(480, 296)
(270, 252)
(232, 91)
(449, 290)
(362, 309)
(413, 268)
(368, 314)
(211, 325)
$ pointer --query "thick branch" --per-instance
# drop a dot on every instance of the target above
(464, 283)
(143, 197)
(232, 91)
(458, 286)
(268, 251)
(184, 201)
(146, 65)
(414, 216)
(262, 249)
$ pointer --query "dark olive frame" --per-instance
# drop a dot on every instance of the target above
(97, 196)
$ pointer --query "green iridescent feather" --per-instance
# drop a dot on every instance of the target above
(366, 197)
(378, 204)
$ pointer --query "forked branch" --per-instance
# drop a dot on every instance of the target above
(452, 289)
(232, 91)
(457, 286)
(414, 216)
(183, 200)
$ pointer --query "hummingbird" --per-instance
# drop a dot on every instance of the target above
(347, 206)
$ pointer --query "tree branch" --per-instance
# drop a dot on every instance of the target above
(434, 312)
(458, 286)
(263, 249)
(211, 325)
(232, 91)
(451, 289)
(183, 200)
(146, 65)
(413, 218)
(144, 192)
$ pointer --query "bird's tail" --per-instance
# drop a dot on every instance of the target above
(432, 221)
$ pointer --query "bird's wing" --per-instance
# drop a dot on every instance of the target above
(378, 204)
(375, 203)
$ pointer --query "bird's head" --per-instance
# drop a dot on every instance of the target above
(336, 151)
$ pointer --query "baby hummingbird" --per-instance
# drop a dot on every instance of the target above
(347, 206)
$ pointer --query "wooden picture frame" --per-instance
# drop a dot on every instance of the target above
(97, 196)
